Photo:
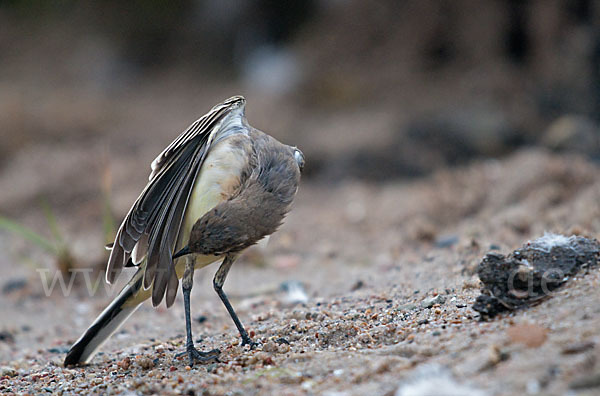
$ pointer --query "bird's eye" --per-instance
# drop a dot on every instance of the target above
(299, 157)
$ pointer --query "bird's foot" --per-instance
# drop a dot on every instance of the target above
(195, 355)
(248, 341)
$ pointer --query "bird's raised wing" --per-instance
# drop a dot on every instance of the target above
(151, 226)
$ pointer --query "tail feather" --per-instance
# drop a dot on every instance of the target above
(109, 321)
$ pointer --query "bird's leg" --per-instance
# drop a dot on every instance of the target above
(187, 283)
(218, 282)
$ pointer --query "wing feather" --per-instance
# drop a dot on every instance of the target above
(192, 131)
(140, 250)
(161, 227)
(173, 226)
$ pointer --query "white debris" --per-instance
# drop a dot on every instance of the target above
(436, 380)
(294, 292)
(82, 308)
(550, 240)
(533, 387)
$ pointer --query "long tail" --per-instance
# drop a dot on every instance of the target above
(109, 321)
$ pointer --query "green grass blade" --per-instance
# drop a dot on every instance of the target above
(26, 233)
(108, 221)
(53, 223)
(109, 224)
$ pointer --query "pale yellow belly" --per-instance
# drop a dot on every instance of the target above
(221, 171)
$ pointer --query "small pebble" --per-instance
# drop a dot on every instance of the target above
(6, 336)
(201, 318)
(145, 363)
(14, 285)
(58, 350)
(446, 241)
(430, 302)
(577, 348)
(358, 285)
(585, 382)
(530, 335)
(124, 364)
(6, 371)
(270, 346)
(407, 307)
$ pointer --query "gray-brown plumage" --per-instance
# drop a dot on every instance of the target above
(218, 188)
(257, 206)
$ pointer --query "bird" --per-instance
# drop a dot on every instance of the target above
(218, 188)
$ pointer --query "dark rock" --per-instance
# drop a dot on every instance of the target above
(445, 241)
(358, 285)
(579, 347)
(586, 382)
(58, 350)
(14, 285)
(6, 336)
(532, 272)
(488, 306)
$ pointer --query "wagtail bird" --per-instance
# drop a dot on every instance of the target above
(218, 188)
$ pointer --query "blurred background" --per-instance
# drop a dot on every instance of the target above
(373, 92)
(434, 131)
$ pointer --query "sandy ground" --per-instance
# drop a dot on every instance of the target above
(389, 275)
